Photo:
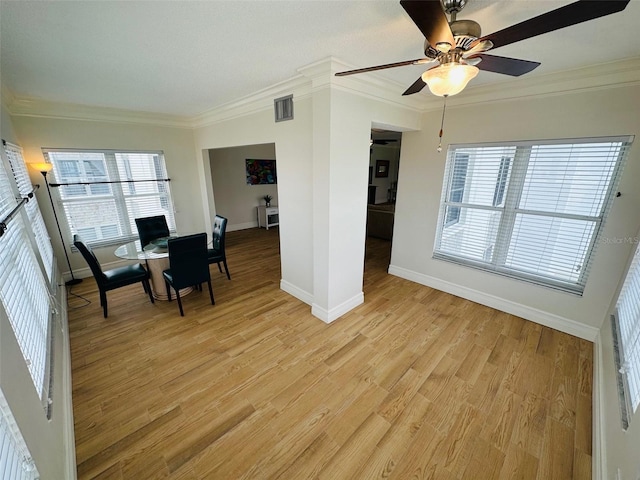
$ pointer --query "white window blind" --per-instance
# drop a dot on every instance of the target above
(23, 291)
(530, 210)
(104, 213)
(21, 175)
(15, 460)
(627, 315)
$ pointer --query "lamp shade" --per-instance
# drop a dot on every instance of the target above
(42, 167)
(449, 79)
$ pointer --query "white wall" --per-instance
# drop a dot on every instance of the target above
(234, 199)
(323, 158)
(293, 145)
(176, 143)
(612, 111)
(51, 443)
(340, 228)
(593, 113)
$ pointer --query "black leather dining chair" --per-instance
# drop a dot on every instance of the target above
(218, 253)
(188, 265)
(150, 228)
(114, 278)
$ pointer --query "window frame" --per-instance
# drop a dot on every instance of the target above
(30, 312)
(120, 193)
(460, 169)
(510, 212)
(625, 326)
(42, 245)
(16, 458)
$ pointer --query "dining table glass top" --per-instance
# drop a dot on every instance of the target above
(133, 250)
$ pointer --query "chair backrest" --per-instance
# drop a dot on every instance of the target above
(150, 228)
(90, 258)
(188, 260)
(219, 232)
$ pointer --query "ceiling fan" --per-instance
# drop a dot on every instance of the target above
(455, 50)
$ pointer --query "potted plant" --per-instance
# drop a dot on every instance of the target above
(267, 200)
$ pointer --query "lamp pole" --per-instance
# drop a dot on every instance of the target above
(74, 280)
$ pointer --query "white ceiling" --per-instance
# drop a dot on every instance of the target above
(188, 57)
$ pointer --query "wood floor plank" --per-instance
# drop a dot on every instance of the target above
(396, 440)
(311, 460)
(529, 429)
(520, 465)
(221, 428)
(356, 450)
(486, 461)
(104, 458)
(413, 383)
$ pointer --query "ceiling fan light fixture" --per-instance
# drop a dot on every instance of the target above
(449, 79)
(443, 47)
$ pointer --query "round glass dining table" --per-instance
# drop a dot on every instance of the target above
(156, 256)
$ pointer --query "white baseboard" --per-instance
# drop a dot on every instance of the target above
(323, 314)
(328, 316)
(242, 226)
(70, 442)
(547, 319)
(78, 273)
(599, 448)
(300, 294)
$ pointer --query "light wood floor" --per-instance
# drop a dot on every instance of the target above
(412, 384)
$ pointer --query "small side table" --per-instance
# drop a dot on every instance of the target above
(268, 216)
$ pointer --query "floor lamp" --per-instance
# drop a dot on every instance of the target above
(45, 168)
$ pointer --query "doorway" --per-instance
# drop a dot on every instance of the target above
(384, 164)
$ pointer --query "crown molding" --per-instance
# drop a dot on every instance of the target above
(312, 78)
(34, 107)
(256, 102)
(321, 75)
(376, 88)
(594, 77)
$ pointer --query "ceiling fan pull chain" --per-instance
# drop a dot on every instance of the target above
(444, 109)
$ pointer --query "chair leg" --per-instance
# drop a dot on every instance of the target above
(213, 302)
(147, 289)
(168, 289)
(226, 268)
(179, 302)
(219, 267)
(103, 302)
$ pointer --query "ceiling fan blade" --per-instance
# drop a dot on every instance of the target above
(429, 17)
(415, 87)
(572, 14)
(479, 47)
(505, 65)
(418, 61)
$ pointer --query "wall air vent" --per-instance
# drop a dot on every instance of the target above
(283, 108)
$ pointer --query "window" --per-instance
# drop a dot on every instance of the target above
(103, 192)
(627, 339)
(456, 192)
(21, 175)
(501, 182)
(24, 292)
(15, 460)
(530, 210)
